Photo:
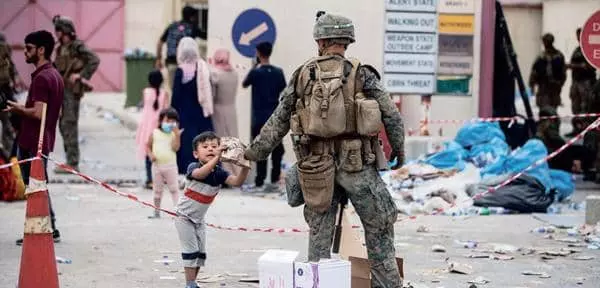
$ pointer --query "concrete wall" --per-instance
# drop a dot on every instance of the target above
(145, 20)
(525, 26)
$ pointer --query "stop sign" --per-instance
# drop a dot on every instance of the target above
(590, 40)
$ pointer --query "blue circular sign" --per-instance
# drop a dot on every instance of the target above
(250, 28)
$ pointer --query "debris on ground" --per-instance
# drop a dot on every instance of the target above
(479, 281)
(422, 229)
(459, 268)
(438, 249)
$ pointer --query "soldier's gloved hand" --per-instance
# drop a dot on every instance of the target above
(250, 154)
(399, 156)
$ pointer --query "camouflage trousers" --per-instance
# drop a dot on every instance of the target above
(580, 93)
(69, 127)
(378, 213)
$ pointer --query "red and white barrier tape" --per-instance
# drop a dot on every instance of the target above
(9, 165)
(594, 125)
(136, 199)
(505, 119)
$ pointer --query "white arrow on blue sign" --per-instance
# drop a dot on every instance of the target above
(250, 28)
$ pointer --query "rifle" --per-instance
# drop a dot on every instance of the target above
(337, 236)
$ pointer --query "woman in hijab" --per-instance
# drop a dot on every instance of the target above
(224, 80)
(192, 98)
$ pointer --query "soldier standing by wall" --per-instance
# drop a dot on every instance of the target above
(335, 107)
(584, 77)
(548, 74)
(76, 63)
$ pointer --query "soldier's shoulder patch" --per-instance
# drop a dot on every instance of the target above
(371, 69)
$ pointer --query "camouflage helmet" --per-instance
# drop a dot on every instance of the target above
(330, 26)
(63, 24)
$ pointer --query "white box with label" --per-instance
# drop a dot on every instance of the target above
(323, 274)
(276, 269)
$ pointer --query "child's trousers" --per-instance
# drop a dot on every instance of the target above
(193, 242)
(165, 174)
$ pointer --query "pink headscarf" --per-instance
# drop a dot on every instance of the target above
(221, 60)
(190, 62)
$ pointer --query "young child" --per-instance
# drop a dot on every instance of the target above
(155, 100)
(205, 178)
(162, 147)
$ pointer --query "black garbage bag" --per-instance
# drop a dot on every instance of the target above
(524, 195)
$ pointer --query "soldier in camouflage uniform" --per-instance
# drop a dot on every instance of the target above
(9, 82)
(584, 77)
(592, 139)
(76, 63)
(548, 74)
(363, 186)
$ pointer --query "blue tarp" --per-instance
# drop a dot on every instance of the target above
(452, 157)
(563, 183)
(522, 158)
(477, 133)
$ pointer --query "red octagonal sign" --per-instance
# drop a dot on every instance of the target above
(590, 40)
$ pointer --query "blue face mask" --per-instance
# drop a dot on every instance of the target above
(167, 127)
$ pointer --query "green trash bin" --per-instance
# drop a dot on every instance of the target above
(137, 78)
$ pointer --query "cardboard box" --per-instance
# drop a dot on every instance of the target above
(324, 274)
(361, 271)
(276, 269)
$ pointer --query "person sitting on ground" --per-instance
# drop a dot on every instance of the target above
(205, 179)
(575, 158)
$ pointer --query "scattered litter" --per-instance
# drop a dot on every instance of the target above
(532, 273)
(527, 251)
(546, 257)
(466, 244)
(576, 245)
(504, 249)
(438, 248)
(568, 240)
(560, 221)
(167, 278)
(479, 281)
(501, 257)
(239, 275)
(249, 280)
(543, 230)
(572, 232)
(478, 256)
(207, 278)
(422, 229)
(584, 257)
(460, 268)
(545, 276)
(579, 281)
(61, 260)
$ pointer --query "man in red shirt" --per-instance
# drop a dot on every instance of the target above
(46, 88)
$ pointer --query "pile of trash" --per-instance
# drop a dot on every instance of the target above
(474, 166)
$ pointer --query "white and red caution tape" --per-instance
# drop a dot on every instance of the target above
(9, 165)
(132, 197)
(136, 199)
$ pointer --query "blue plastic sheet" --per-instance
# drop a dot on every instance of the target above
(452, 157)
(563, 183)
(522, 158)
(484, 154)
(477, 133)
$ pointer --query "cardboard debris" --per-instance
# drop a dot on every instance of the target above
(458, 268)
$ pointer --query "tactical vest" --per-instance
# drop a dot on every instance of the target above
(331, 102)
(176, 32)
(68, 61)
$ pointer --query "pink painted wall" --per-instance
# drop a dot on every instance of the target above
(100, 24)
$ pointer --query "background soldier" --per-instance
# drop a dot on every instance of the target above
(584, 76)
(334, 107)
(76, 63)
(9, 83)
(548, 74)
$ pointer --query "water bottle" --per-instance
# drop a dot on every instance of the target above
(61, 260)
(554, 209)
(497, 211)
(484, 211)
